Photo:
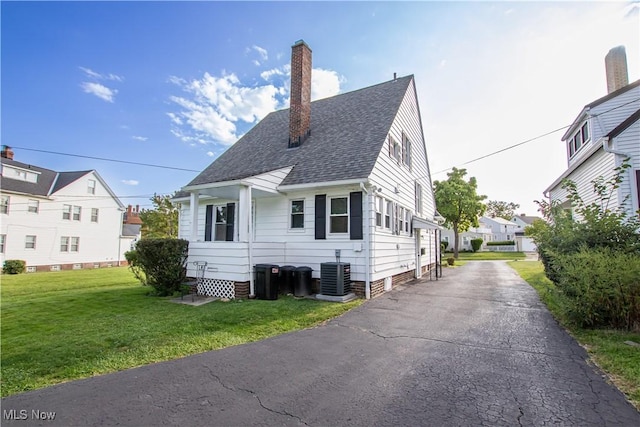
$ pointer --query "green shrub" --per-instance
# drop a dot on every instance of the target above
(444, 245)
(602, 287)
(14, 266)
(160, 263)
(451, 260)
(503, 243)
(476, 244)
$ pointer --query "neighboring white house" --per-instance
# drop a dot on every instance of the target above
(347, 173)
(58, 220)
(524, 243)
(464, 237)
(501, 229)
(603, 135)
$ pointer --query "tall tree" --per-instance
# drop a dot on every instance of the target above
(459, 203)
(162, 221)
(506, 210)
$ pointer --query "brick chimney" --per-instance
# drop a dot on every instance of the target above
(300, 104)
(7, 152)
(616, 65)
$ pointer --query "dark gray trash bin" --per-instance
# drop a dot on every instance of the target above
(287, 273)
(302, 281)
(266, 283)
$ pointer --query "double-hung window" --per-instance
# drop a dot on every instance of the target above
(379, 208)
(66, 211)
(75, 244)
(76, 213)
(221, 223)
(3, 241)
(339, 215)
(30, 242)
(297, 214)
(401, 220)
(91, 186)
(406, 150)
(64, 244)
(94, 214)
(4, 205)
(418, 198)
(387, 215)
(33, 206)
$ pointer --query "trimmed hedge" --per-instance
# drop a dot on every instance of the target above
(476, 244)
(504, 243)
(14, 266)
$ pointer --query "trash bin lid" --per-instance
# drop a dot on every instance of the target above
(288, 267)
(304, 269)
(266, 265)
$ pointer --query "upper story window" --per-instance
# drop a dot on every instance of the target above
(4, 204)
(76, 213)
(379, 208)
(33, 206)
(339, 215)
(3, 240)
(418, 198)
(66, 211)
(407, 222)
(394, 149)
(406, 150)
(71, 212)
(387, 215)
(94, 214)
(19, 174)
(91, 186)
(297, 214)
(579, 139)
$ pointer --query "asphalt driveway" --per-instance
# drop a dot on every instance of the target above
(474, 348)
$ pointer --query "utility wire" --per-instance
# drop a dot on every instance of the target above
(106, 160)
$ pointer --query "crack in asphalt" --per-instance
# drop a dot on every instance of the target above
(484, 347)
(254, 394)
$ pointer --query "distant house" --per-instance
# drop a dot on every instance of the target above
(603, 135)
(465, 237)
(58, 220)
(502, 230)
(524, 243)
(345, 176)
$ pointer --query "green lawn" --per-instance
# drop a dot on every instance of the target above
(606, 347)
(74, 324)
(486, 256)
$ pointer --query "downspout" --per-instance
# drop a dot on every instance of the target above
(248, 197)
(367, 244)
(605, 147)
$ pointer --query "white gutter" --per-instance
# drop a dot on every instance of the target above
(316, 185)
(367, 244)
(605, 147)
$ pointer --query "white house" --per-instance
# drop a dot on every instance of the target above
(347, 173)
(501, 229)
(58, 220)
(603, 135)
(464, 237)
(524, 243)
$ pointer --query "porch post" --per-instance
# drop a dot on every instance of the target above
(418, 233)
(245, 229)
(193, 207)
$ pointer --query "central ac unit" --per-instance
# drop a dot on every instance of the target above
(335, 278)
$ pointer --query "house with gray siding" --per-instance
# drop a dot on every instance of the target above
(345, 175)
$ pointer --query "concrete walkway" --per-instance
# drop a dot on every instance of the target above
(474, 348)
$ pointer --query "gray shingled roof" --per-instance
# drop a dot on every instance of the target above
(347, 134)
(45, 181)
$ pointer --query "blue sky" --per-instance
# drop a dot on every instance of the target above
(175, 83)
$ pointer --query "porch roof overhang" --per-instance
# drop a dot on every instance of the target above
(229, 189)
(424, 224)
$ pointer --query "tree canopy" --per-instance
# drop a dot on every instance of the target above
(162, 221)
(500, 209)
(459, 203)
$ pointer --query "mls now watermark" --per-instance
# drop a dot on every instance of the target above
(24, 414)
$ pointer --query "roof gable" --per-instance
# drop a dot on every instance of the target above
(66, 178)
(346, 135)
(624, 125)
(46, 178)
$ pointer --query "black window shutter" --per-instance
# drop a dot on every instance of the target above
(208, 223)
(231, 216)
(355, 213)
(321, 216)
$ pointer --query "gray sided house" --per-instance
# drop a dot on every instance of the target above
(347, 174)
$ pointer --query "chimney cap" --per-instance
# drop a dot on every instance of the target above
(301, 42)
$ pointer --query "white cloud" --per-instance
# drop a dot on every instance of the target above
(280, 71)
(95, 75)
(99, 90)
(443, 63)
(256, 62)
(210, 153)
(216, 104)
(261, 51)
(325, 83)
(140, 138)
(130, 182)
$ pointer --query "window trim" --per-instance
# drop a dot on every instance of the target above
(77, 244)
(30, 207)
(96, 216)
(388, 215)
(379, 207)
(330, 216)
(292, 214)
(4, 204)
(406, 150)
(74, 213)
(66, 211)
(91, 188)
(64, 243)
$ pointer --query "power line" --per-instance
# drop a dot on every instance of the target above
(105, 159)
